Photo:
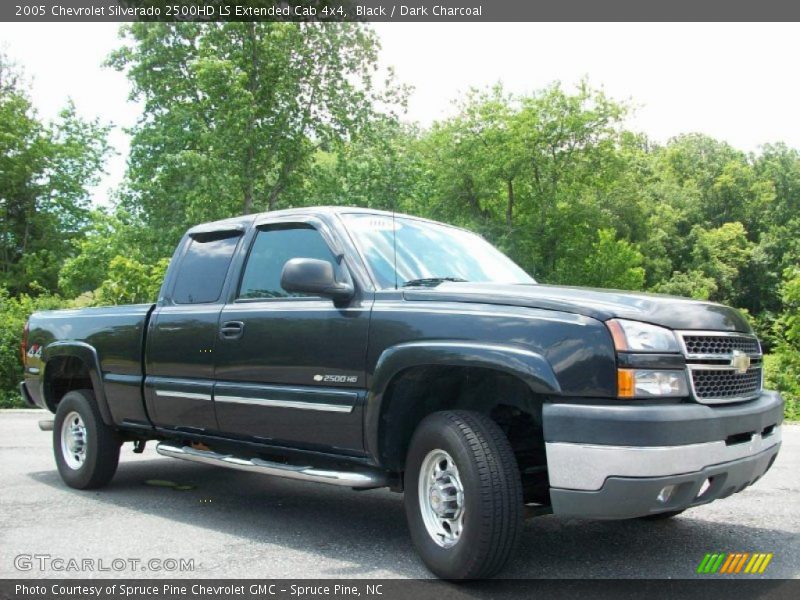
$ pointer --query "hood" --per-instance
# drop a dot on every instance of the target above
(667, 311)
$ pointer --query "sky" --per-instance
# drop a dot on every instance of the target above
(735, 82)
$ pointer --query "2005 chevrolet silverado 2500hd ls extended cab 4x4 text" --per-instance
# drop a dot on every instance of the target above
(365, 349)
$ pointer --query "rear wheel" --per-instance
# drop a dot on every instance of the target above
(463, 495)
(85, 448)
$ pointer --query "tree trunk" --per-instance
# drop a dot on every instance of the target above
(248, 188)
(510, 205)
(252, 84)
(272, 200)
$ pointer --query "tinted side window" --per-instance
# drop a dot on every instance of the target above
(270, 251)
(202, 270)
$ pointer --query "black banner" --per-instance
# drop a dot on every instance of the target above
(394, 589)
(388, 10)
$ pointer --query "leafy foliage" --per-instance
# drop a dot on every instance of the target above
(612, 263)
(46, 170)
(129, 281)
(236, 112)
(241, 117)
(14, 311)
(693, 284)
(784, 372)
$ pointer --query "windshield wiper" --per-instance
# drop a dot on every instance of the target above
(432, 281)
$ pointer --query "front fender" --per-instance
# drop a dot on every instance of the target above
(86, 354)
(529, 366)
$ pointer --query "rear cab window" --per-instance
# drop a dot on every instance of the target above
(202, 270)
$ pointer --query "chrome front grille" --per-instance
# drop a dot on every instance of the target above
(711, 345)
(710, 384)
(722, 367)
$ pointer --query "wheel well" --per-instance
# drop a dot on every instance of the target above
(64, 374)
(419, 391)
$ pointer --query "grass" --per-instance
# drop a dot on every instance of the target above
(12, 399)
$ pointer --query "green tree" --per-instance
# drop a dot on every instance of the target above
(14, 311)
(611, 263)
(46, 171)
(722, 254)
(129, 281)
(716, 177)
(235, 113)
(537, 174)
(106, 236)
(693, 284)
(380, 168)
(783, 372)
(779, 241)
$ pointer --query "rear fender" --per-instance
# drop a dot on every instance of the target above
(88, 356)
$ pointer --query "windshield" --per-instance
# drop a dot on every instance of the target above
(428, 251)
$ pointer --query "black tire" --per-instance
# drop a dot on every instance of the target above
(100, 450)
(492, 494)
(662, 516)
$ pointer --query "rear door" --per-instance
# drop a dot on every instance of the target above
(183, 332)
(290, 367)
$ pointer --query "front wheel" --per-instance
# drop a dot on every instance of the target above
(463, 496)
(86, 449)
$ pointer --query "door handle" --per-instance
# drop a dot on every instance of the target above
(231, 330)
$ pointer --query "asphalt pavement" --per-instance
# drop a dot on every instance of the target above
(224, 523)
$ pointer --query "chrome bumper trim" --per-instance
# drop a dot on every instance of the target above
(586, 466)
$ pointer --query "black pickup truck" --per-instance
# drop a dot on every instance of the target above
(364, 349)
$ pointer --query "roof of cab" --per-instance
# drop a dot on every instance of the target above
(244, 221)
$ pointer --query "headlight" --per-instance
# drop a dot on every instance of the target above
(646, 383)
(633, 336)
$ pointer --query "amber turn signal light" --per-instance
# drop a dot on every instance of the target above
(618, 335)
(625, 383)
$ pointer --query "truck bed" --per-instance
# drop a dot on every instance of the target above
(111, 336)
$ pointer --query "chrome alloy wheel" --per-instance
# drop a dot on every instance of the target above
(73, 441)
(441, 498)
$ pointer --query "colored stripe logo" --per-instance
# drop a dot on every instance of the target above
(732, 563)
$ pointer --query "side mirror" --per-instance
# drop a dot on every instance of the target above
(312, 276)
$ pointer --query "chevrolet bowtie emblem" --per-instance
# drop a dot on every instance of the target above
(740, 361)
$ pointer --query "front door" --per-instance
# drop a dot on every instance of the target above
(290, 367)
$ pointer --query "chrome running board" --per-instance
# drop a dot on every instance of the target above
(356, 478)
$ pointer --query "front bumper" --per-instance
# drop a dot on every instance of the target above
(619, 462)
